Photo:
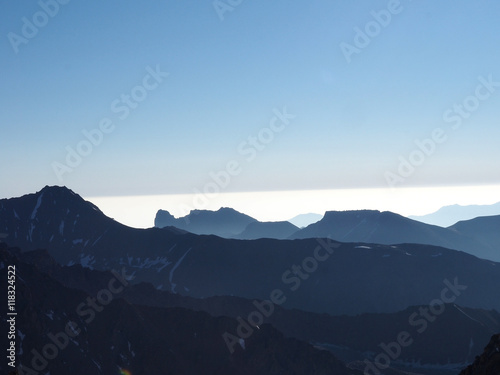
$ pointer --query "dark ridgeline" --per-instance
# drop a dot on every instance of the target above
(279, 230)
(460, 331)
(143, 339)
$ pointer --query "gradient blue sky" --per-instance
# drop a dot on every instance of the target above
(353, 120)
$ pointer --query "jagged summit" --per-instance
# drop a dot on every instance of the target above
(57, 190)
(58, 195)
(225, 222)
(50, 199)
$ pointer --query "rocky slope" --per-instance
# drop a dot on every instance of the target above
(488, 363)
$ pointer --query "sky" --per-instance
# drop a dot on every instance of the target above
(216, 98)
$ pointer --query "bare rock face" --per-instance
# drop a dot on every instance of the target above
(487, 363)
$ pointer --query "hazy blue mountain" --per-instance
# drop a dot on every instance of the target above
(225, 222)
(272, 229)
(449, 215)
(303, 220)
(351, 278)
(390, 228)
(484, 230)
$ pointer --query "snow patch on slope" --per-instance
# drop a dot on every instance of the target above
(87, 260)
(38, 203)
(171, 276)
(463, 312)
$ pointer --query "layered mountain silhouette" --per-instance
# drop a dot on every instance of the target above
(479, 236)
(141, 339)
(303, 220)
(454, 333)
(186, 290)
(318, 276)
(449, 215)
(227, 223)
(483, 230)
(390, 228)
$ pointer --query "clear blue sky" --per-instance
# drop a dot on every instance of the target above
(353, 120)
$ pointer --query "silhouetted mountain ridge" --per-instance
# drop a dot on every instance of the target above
(351, 278)
(226, 222)
(484, 230)
(389, 228)
(371, 226)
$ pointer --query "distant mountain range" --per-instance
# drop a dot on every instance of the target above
(389, 228)
(186, 290)
(303, 220)
(477, 237)
(449, 215)
(319, 276)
